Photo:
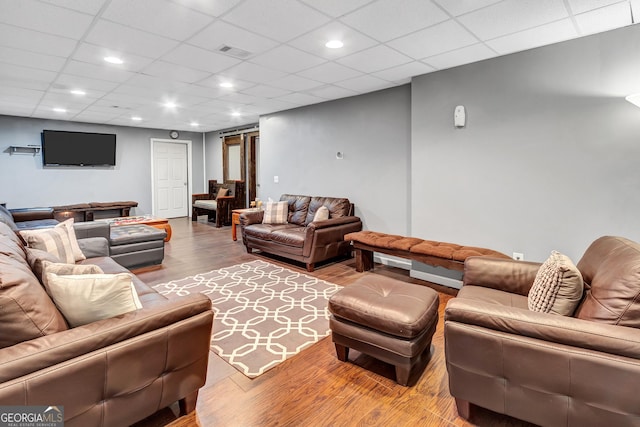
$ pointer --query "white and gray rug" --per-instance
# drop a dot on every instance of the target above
(264, 313)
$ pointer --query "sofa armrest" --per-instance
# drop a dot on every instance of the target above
(551, 328)
(43, 352)
(88, 229)
(93, 247)
(253, 217)
(498, 273)
(31, 214)
(332, 222)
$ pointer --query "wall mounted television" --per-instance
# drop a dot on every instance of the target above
(63, 148)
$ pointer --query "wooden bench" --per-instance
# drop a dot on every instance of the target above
(438, 254)
(85, 211)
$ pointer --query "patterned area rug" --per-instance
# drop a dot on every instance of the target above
(264, 313)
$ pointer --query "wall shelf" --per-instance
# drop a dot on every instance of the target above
(14, 149)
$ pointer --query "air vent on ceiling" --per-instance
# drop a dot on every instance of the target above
(234, 51)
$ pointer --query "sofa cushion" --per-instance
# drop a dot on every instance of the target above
(338, 207)
(263, 231)
(276, 213)
(610, 268)
(557, 287)
(212, 205)
(298, 208)
(88, 298)
(290, 236)
(493, 296)
(53, 240)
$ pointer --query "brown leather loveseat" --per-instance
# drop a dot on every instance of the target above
(301, 238)
(111, 372)
(549, 369)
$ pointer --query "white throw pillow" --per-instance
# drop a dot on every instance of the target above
(77, 252)
(558, 286)
(322, 214)
(53, 240)
(276, 213)
(87, 298)
(62, 269)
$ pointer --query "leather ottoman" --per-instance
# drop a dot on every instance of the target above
(390, 320)
(137, 245)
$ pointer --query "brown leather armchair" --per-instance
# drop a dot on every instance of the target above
(217, 207)
(545, 368)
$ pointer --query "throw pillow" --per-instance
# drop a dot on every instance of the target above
(276, 212)
(88, 298)
(222, 192)
(66, 270)
(558, 286)
(36, 259)
(77, 252)
(53, 240)
(322, 214)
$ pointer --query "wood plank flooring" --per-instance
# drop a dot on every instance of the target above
(313, 388)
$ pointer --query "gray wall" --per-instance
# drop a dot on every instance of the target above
(28, 184)
(373, 131)
(548, 159)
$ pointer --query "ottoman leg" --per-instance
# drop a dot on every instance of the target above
(342, 352)
(403, 371)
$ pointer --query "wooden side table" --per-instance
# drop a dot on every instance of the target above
(235, 220)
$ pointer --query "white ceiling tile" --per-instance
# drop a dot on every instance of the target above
(221, 33)
(66, 99)
(33, 41)
(281, 20)
(330, 72)
(213, 8)
(270, 106)
(239, 98)
(44, 17)
(94, 54)
(86, 6)
(28, 94)
(155, 84)
(158, 17)
(213, 85)
(120, 100)
(287, 59)
(364, 84)
(544, 34)
(30, 59)
(252, 73)
(100, 72)
(314, 42)
(12, 109)
(266, 91)
(336, 8)
(68, 82)
(404, 72)
(510, 16)
(121, 38)
(385, 20)
(301, 99)
(169, 71)
(458, 7)
(374, 59)
(332, 92)
(465, 55)
(295, 83)
(16, 72)
(605, 18)
(580, 6)
(200, 59)
(440, 38)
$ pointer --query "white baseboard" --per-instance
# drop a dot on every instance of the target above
(434, 278)
(405, 264)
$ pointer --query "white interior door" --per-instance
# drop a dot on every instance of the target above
(171, 179)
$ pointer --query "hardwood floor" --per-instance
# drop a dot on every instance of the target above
(313, 388)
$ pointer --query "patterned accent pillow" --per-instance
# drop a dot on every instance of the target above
(276, 213)
(66, 270)
(558, 286)
(53, 240)
(77, 252)
(322, 214)
(91, 297)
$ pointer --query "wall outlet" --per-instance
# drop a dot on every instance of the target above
(518, 256)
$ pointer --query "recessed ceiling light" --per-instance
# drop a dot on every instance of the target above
(60, 110)
(226, 84)
(113, 60)
(136, 118)
(194, 124)
(170, 104)
(334, 44)
(78, 92)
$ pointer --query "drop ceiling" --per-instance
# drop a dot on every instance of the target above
(272, 51)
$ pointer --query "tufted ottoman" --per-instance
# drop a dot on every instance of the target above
(390, 320)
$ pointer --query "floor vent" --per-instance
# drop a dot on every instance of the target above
(234, 51)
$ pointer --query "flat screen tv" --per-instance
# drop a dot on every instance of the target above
(62, 148)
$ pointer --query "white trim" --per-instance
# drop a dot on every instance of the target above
(404, 264)
(434, 278)
(189, 172)
(204, 164)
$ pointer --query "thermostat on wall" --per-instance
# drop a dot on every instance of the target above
(459, 116)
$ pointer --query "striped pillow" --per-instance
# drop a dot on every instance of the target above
(66, 270)
(276, 213)
(75, 247)
(53, 240)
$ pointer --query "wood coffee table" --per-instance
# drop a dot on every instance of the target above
(235, 220)
(161, 223)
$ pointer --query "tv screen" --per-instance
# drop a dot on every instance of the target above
(62, 148)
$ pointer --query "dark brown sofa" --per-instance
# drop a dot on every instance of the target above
(301, 238)
(112, 372)
(544, 368)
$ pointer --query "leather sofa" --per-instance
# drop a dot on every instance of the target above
(548, 369)
(301, 238)
(111, 372)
